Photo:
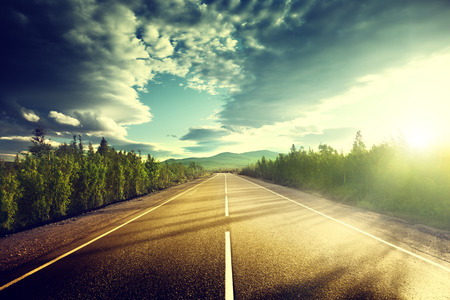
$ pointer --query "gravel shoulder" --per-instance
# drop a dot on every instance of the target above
(26, 246)
(428, 242)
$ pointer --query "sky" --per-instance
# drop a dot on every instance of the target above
(192, 78)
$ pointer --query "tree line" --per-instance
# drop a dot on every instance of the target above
(389, 177)
(50, 183)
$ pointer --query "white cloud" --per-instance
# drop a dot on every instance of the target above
(63, 119)
(158, 46)
(118, 65)
(203, 49)
(15, 138)
(29, 115)
(100, 125)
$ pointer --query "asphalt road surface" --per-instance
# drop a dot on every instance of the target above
(231, 237)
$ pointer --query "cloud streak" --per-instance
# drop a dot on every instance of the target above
(206, 139)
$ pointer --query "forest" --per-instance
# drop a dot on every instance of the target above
(48, 183)
(390, 178)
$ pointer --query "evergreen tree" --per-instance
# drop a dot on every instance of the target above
(40, 147)
(103, 148)
(51, 183)
(358, 144)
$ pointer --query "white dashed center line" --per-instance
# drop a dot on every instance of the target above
(226, 197)
(229, 294)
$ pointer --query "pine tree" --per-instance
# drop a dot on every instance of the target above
(103, 148)
(39, 147)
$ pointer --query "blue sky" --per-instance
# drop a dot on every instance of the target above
(175, 110)
(180, 78)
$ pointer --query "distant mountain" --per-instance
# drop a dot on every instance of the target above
(227, 160)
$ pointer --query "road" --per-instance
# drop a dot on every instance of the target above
(228, 237)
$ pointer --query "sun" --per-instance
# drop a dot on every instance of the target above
(418, 137)
(424, 125)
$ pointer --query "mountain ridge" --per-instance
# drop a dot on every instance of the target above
(227, 160)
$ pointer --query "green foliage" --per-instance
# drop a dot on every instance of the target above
(51, 183)
(389, 178)
(10, 192)
(152, 168)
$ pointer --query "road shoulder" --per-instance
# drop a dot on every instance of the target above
(429, 242)
(23, 247)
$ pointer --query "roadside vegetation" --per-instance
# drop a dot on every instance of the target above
(389, 178)
(48, 183)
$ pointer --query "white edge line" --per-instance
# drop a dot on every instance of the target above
(95, 239)
(229, 294)
(357, 229)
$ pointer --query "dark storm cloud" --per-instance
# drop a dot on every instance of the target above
(207, 139)
(129, 146)
(71, 67)
(10, 146)
(319, 48)
(74, 67)
(204, 134)
(66, 59)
